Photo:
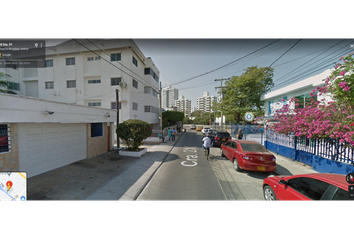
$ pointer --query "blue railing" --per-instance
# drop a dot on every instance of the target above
(326, 148)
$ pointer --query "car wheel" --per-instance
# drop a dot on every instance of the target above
(236, 166)
(268, 193)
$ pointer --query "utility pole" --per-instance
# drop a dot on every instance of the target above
(222, 98)
(160, 108)
(117, 107)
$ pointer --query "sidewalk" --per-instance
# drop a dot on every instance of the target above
(129, 184)
(92, 178)
(286, 166)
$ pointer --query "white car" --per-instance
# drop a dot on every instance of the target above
(204, 129)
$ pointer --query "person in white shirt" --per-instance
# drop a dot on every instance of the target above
(206, 143)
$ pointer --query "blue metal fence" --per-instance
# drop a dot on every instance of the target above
(250, 132)
(324, 155)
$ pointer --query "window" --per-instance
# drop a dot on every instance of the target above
(70, 61)
(135, 84)
(94, 81)
(233, 145)
(115, 57)
(146, 108)
(115, 81)
(114, 106)
(48, 63)
(71, 84)
(311, 188)
(341, 195)
(253, 148)
(96, 130)
(304, 100)
(148, 71)
(135, 106)
(13, 86)
(94, 104)
(89, 59)
(135, 61)
(49, 85)
(150, 90)
(5, 143)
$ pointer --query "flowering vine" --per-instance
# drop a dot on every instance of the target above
(329, 113)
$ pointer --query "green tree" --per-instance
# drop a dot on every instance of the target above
(4, 84)
(243, 93)
(133, 132)
(172, 117)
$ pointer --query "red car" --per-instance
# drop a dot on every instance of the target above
(314, 186)
(248, 155)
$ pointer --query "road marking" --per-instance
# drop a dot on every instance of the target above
(190, 158)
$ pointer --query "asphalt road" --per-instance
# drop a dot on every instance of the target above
(186, 174)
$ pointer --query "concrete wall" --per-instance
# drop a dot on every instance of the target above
(96, 145)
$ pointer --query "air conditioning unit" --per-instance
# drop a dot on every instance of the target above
(122, 84)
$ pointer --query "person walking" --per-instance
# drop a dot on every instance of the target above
(206, 143)
(174, 134)
(240, 134)
(161, 137)
(169, 134)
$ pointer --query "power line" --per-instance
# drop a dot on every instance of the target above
(224, 65)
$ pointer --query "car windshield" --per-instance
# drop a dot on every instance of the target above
(223, 134)
(253, 148)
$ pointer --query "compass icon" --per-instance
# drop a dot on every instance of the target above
(350, 178)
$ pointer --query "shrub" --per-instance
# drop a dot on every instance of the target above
(133, 132)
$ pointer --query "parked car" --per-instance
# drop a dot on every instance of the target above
(204, 129)
(314, 186)
(248, 155)
(219, 137)
(193, 127)
(207, 131)
(199, 128)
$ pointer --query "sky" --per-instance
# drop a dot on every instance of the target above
(192, 65)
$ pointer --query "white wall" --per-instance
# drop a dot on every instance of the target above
(20, 109)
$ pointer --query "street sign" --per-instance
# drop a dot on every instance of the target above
(249, 117)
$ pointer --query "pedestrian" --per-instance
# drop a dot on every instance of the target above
(239, 134)
(161, 137)
(174, 134)
(169, 134)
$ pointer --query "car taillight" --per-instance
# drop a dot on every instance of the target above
(217, 138)
(246, 157)
(230, 138)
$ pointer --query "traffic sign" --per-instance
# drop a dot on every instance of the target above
(249, 117)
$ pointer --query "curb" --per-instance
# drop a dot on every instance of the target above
(148, 180)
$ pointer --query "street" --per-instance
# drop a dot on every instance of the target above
(186, 174)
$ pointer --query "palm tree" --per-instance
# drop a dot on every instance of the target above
(4, 84)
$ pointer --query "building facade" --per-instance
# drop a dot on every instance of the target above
(184, 105)
(206, 102)
(169, 96)
(88, 72)
(301, 90)
(37, 136)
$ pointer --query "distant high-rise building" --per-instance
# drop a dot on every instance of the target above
(184, 105)
(204, 103)
(169, 95)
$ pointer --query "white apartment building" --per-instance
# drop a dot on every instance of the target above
(169, 95)
(184, 105)
(204, 103)
(89, 72)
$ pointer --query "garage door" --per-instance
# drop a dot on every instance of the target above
(46, 146)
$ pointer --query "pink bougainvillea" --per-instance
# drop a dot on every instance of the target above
(332, 119)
